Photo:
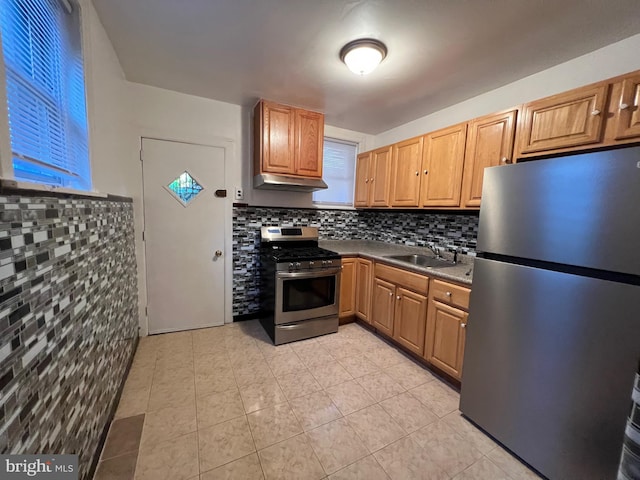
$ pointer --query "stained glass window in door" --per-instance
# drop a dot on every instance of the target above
(185, 188)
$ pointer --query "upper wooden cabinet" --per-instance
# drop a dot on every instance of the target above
(405, 173)
(489, 144)
(362, 192)
(372, 178)
(287, 140)
(627, 109)
(566, 120)
(450, 175)
(442, 164)
(309, 128)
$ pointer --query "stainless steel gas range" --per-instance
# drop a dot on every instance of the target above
(300, 284)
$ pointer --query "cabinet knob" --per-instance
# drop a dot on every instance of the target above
(417, 173)
(426, 171)
(505, 160)
(448, 294)
(398, 297)
(366, 180)
(595, 112)
(624, 106)
(391, 294)
(372, 180)
(463, 325)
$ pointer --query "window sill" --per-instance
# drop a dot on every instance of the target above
(14, 187)
(331, 206)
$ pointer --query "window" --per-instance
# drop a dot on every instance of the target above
(45, 92)
(339, 161)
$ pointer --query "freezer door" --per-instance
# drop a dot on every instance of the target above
(581, 210)
(549, 365)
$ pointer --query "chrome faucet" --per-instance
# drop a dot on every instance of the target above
(434, 249)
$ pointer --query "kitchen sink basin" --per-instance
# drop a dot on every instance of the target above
(423, 261)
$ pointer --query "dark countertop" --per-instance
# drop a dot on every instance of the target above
(378, 251)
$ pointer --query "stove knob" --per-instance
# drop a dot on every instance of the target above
(297, 265)
(311, 264)
(324, 262)
(291, 266)
(329, 262)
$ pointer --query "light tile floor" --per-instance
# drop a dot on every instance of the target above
(224, 403)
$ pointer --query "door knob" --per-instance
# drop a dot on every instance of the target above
(218, 253)
(463, 325)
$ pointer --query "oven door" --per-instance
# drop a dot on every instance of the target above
(307, 295)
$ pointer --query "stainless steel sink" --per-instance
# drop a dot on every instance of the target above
(423, 261)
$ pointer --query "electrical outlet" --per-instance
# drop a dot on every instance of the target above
(239, 193)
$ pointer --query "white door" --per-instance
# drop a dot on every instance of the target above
(184, 234)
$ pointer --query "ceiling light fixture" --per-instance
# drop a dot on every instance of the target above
(362, 56)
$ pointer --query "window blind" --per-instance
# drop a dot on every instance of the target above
(45, 92)
(339, 159)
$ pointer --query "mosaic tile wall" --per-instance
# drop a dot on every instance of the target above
(408, 228)
(68, 321)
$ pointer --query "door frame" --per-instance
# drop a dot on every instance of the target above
(228, 146)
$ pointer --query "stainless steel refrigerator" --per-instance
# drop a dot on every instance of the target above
(553, 338)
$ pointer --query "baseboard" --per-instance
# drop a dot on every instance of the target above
(248, 316)
(112, 414)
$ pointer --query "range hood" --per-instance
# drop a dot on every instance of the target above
(269, 181)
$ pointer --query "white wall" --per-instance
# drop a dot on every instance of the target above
(108, 111)
(165, 114)
(615, 59)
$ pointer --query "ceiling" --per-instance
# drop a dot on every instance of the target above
(441, 52)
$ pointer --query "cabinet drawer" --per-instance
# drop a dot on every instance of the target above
(450, 293)
(412, 281)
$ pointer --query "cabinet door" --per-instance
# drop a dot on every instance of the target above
(410, 320)
(364, 269)
(445, 338)
(379, 181)
(405, 173)
(489, 144)
(442, 164)
(361, 195)
(628, 116)
(382, 307)
(309, 140)
(348, 287)
(277, 138)
(566, 120)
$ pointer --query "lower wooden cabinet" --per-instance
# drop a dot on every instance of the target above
(399, 307)
(382, 305)
(364, 280)
(348, 287)
(426, 316)
(446, 328)
(409, 319)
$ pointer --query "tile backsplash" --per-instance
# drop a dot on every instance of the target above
(404, 227)
(68, 321)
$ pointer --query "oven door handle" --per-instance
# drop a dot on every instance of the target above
(310, 274)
